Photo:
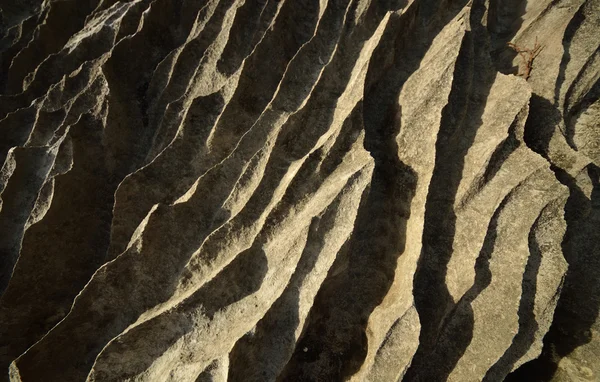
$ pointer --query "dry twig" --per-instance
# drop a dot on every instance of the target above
(527, 55)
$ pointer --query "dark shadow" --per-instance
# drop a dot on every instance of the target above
(543, 119)
(456, 328)
(461, 118)
(243, 32)
(63, 20)
(18, 201)
(263, 353)
(502, 152)
(15, 40)
(572, 28)
(528, 326)
(572, 112)
(151, 339)
(241, 278)
(11, 12)
(579, 303)
(504, 19)
(15, 130)
(14, 12)
(60, 253)
(334, 343)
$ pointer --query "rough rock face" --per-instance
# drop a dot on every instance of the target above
(300, 190)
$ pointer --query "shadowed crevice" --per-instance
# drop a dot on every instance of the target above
(334, 342)
(502, 152)
(577, 109)
(504, 20)
(528, 326)
(46, 278)
(262, 353)
(570, 32)
(52, 34)
(271, 344)
(461, 118)
(18, 199)
(579, 303)
(543, 119)
(15, 39)
(456, 328)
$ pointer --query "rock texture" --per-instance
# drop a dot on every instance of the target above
(300, 190)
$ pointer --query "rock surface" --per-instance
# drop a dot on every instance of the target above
(299, 190)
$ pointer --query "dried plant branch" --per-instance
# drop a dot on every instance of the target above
(527, 56)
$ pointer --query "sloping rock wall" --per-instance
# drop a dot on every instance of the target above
(299, 190)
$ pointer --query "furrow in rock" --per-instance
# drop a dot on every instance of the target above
(299, 190)
(127, 218)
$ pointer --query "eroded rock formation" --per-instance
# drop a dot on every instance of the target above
(300, 190)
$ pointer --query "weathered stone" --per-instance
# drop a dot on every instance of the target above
(299, 190)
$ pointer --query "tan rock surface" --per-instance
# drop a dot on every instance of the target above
(299, 190)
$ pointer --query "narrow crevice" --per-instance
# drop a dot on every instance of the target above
(262, 353)
(78, 225)
(23, 35)
(579, 303)
(461, 119)
(504, 20)
(456, 328)
(577, 109)
(528, 325)
(18, 199)
(574, 25)
(540, 125)
(50, 37)
(502, 152)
